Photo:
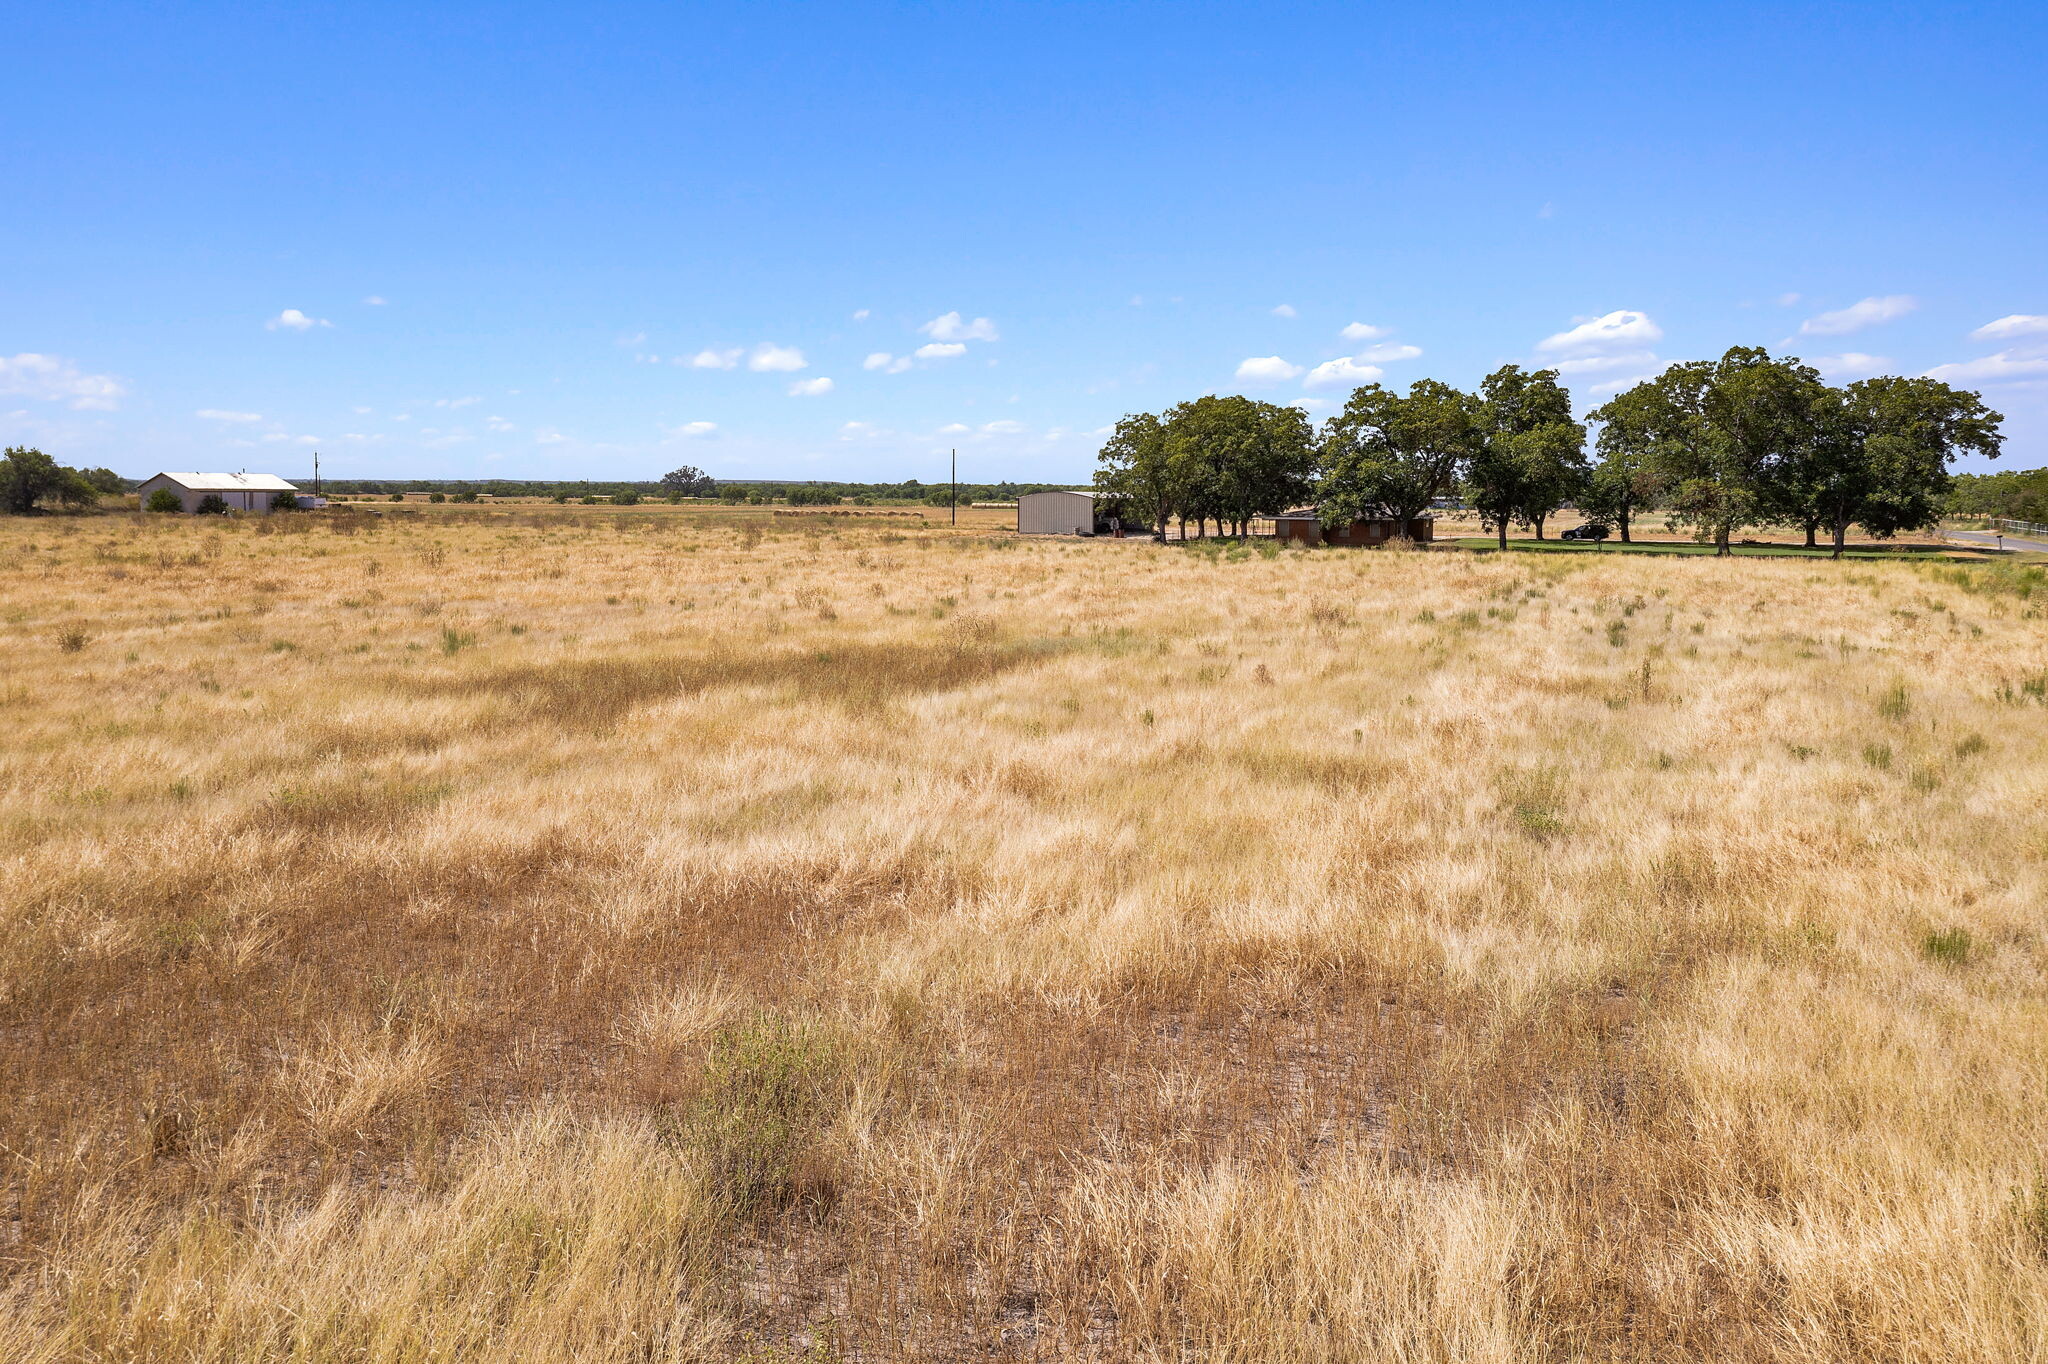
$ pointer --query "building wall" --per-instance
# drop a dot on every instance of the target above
(1376, 531)
(1055, 513)
(238, 499)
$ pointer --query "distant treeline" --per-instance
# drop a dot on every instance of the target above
(2021, 494)
(736, 490)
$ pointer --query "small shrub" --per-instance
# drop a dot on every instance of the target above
(163, 500)
(1971, 746)
(437, 497)
(770, 1087)
(1895, 704)
(1878, 756)
(1952, 946)
(73, 640)
(213, 504)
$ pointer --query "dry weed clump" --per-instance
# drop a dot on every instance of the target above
(674, 934)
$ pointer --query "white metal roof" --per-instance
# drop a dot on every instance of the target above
(223, 483)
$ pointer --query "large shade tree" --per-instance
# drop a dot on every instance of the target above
(1530, 456)
(1391, 454)
(1881, 453)
(29, 476)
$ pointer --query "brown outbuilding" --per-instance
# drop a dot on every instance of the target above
(1304, 525)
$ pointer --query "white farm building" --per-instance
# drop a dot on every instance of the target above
(242, 492)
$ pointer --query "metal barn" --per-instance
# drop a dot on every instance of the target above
(1058, 513)
(242, 492)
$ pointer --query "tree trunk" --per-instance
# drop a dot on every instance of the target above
(1502, 526)
(1721, 540)
(1623, 518)
(1841, 534)
(1539, 526)
(1811, 524)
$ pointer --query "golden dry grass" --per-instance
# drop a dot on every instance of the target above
(679, 935)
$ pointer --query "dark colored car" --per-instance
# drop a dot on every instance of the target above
(1592, 530)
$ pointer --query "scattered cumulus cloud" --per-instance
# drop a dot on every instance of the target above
(1851, 364)
(2007, 366)
(1623, 329)
(53, 379)
(1002, 428)
(1359, 331)
(1345, 369)
(950, 327)
(498, 424)
(1388, 354)
(810, 388)
(940, 350)
(1854, 318)
(1285, 310)
(1603, 364)
(769, 358)
(2019, 324)
(712, 359)
(955, 429)
(861, 315)
(375, 301)
(691, 430)
(1267, 369)
(1789, 300)
(215, 414)
(457, 402)
(547, 435)
(886, 363)
(292, 320)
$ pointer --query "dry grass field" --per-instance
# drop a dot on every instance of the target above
(670, 935)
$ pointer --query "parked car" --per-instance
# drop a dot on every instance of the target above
(1592, 530)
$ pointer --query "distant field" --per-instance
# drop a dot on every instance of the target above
(542, 933)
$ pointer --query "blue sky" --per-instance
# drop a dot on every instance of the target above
(604, 240)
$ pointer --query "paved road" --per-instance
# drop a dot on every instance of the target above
(2014, 542)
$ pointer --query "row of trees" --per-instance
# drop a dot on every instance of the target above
(1717, 445)
(28, 477)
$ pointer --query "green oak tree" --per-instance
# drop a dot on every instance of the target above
(1391, 454)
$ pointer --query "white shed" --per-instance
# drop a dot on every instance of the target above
(1056, 513)
(242, 492)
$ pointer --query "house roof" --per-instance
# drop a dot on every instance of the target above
(224, 483)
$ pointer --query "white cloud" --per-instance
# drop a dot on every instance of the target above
(1788, 300)
(1267, 369)
(1601, 364)
(887, 363)
(861, 315)
(1002, 428)
(215, 414)
(547, 435)
(955, 429)
(53, 379)
(1359, 331)
(712, 359)
(1867, 313)
(498, 424)
(691, 430)
(2006, 366)
(635, 339)
(1851, 364)
(810, 388)
(375, 301)
(769, 358)
(291, 319)
(1388, 354)
(855, 430)
(1619, 330)
(950, 327)
(1342, 370)
(2019, 324)
(940, 350)
(360, 411)
(457, 402)
(1285, 310)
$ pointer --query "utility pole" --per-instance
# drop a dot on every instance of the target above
(316, 473)
(956, 487)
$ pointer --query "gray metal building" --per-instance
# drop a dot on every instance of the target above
(1059, 513)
